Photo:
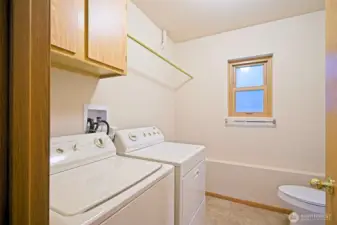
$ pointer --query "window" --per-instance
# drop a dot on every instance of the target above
(250, 87)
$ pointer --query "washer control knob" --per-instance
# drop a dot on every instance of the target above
(60, 150)
(133, 137)
(99, 142)
(75, 148)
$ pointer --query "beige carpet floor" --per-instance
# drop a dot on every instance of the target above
(221, 212)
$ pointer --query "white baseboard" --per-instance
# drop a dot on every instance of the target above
(252, 182)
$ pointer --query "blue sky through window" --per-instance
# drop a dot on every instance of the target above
(249, 76)
(249, 101)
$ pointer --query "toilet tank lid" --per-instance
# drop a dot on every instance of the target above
(304, 194)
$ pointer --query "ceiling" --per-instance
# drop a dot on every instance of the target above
(189, 19)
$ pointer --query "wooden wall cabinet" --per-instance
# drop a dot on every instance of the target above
(63, 25)
(89, 36)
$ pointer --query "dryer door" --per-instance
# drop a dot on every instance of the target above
(193, 192)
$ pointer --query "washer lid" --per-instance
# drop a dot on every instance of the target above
(78, 190)
(304, 194)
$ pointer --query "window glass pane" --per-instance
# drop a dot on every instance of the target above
(249, 76)
(249, 101)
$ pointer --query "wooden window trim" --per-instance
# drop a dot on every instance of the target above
(267, 87)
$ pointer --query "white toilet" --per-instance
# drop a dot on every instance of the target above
(307, 203)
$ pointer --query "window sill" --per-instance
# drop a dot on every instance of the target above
(250, 122)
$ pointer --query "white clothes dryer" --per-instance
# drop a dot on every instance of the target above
(189, 161)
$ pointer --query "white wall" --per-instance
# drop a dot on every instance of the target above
(133, 100)
(249, 163)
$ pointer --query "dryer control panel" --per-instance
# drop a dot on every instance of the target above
(134, 139)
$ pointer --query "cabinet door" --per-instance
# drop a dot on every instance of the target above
(64, 25)
(106, 32)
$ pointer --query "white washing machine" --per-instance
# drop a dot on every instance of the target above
(90, 185)
(189, 161)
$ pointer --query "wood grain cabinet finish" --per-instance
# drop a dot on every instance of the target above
(64, 24)
(89, 36)
(106, 30)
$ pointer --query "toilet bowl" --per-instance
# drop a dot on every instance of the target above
(307, 204)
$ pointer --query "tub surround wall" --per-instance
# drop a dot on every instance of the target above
(253, 183)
